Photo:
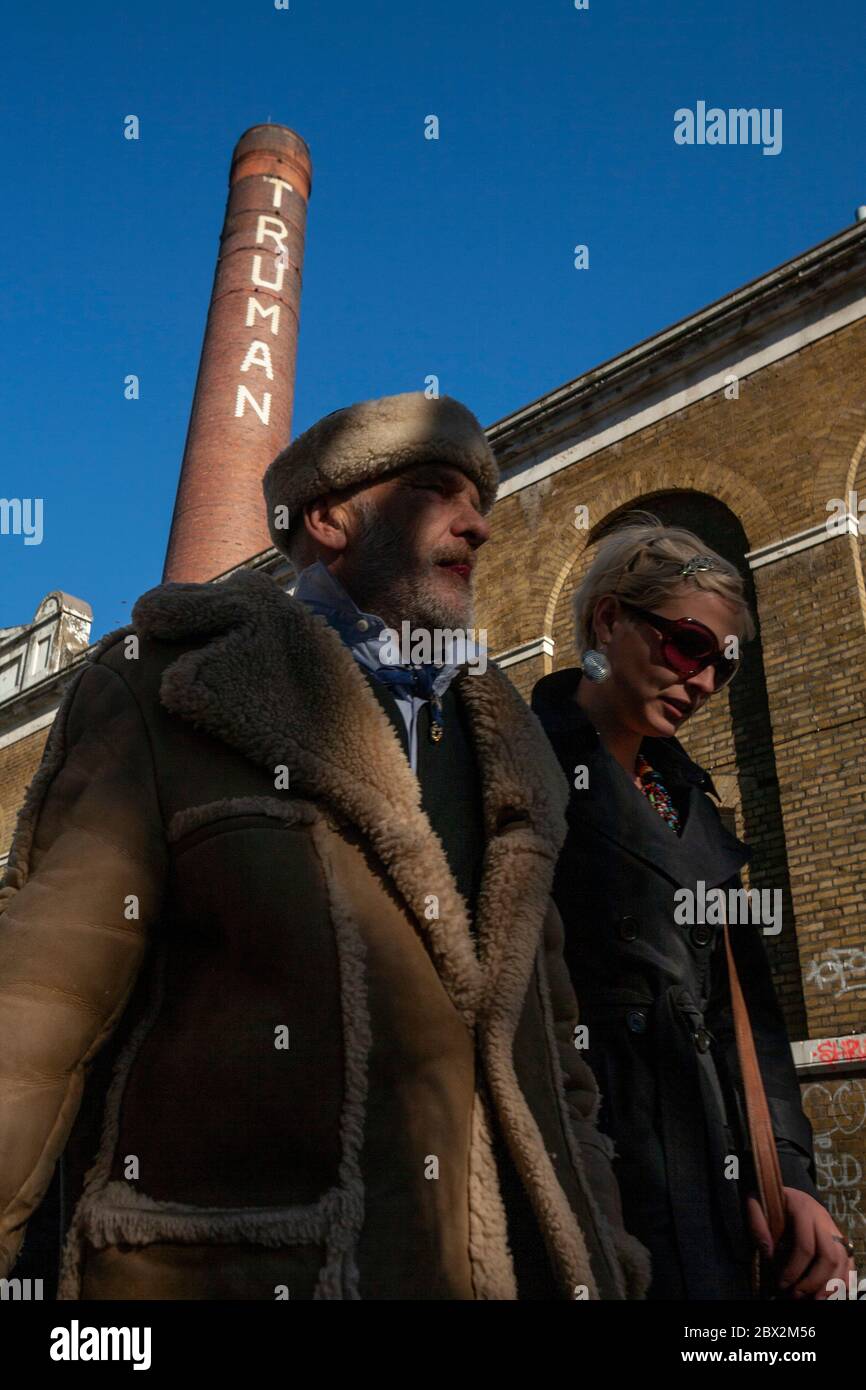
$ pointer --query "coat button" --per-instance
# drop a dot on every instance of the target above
(635, 1021)
(701, 934)
(702, 1040)
(628, 928)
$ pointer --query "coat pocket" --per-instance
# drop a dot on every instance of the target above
(197, 823)
(123, 1245)
(172, 1271)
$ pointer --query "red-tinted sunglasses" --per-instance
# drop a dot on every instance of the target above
(689, 646)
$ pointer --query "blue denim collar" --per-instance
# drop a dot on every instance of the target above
(362, 632)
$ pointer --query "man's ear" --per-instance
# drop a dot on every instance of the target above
(327, 523)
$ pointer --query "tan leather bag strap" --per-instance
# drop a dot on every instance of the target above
(764, 1152)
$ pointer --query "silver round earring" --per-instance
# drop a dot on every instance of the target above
(596, 666)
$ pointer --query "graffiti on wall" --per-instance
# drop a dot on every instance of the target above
(838, 1111)
(841, 970)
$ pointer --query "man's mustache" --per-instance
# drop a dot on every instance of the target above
(468, 560)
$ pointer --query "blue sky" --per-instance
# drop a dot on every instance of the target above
(452, 257)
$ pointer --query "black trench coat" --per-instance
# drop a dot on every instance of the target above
(655, 998)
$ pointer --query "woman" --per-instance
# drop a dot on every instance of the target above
(655, 616)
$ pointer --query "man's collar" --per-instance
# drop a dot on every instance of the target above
(363, 633)
(321, 590)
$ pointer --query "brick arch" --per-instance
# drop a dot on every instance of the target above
(840, 460)
(746, 503)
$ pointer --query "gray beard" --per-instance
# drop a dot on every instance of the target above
(383, 578)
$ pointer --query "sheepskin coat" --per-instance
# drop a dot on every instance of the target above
(239, 991)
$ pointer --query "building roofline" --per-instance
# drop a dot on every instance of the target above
(760, 301)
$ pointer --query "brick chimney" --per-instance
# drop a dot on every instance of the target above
(242, 409)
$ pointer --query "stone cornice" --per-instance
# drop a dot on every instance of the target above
(816, 293)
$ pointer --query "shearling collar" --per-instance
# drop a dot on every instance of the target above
(269, 677)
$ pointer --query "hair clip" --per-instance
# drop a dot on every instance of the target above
(698, 562)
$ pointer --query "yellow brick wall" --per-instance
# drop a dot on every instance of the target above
(18, 764)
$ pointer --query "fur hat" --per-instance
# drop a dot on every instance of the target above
(366, 441)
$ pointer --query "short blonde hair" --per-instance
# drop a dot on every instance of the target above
(641, 564)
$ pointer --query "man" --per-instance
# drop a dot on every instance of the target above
(310, 907)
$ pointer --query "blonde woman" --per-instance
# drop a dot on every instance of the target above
(654, 617)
